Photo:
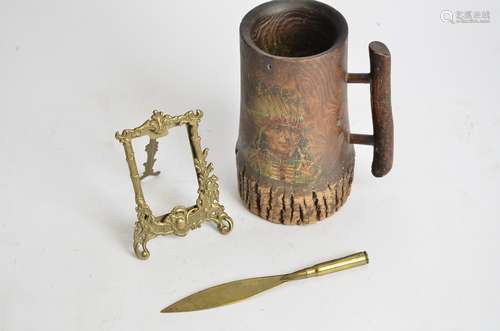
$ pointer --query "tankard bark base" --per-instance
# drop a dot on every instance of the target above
(282, 204)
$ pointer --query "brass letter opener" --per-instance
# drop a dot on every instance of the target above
(232, 292)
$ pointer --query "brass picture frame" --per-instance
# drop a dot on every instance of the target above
(181, 219)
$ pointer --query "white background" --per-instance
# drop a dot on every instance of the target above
(74, 72)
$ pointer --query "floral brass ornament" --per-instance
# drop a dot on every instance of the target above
(181, 219)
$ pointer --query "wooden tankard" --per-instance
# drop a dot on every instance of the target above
(295, 154)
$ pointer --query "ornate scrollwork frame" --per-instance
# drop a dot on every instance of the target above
(181, 219)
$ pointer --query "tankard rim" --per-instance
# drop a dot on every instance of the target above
(279, 6)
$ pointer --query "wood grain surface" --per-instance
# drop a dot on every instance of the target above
(295, 162)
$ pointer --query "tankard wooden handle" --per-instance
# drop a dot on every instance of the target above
(379, 79)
